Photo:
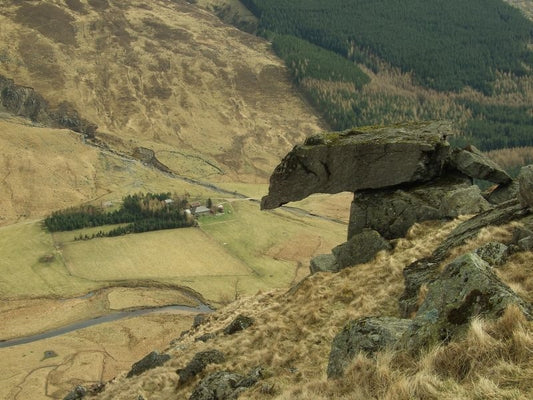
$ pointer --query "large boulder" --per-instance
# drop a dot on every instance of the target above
(525, 186)
(361, 248)
(393, 212)
(359, 159)
(502, 193)
(426, 270)
(152, 360)
(472, 162)
(367, 335)
(198, 364)
(466, 288)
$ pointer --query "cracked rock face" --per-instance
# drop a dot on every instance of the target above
(370, 158)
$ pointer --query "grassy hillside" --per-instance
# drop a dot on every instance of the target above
(470, 63)
(292, 336)
(167, 76)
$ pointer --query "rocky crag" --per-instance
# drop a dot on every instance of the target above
(455, 283)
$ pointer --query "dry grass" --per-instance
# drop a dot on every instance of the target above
(293, 331)
(165, 76)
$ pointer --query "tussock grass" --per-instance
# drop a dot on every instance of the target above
(294, 329)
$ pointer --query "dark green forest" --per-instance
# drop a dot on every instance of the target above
(140, 212)
(446, 45)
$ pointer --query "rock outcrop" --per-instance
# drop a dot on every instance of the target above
(238, 324)
(393, 212)
(399, 175)
(225, 385)
(26, 102)
(475, 164)
(367, 335)
(361, 159)
(198, 364)
(468, 287)
(426, 270)
(152, 360)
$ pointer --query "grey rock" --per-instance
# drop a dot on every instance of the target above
(199, 319)
(525, 186)
(359, 159)
(426, 270)
(198, 364)
(367, 335)
(205, 337)
(393, 212)
(526, 244)
(361, 248)
(520, 233)
(464, 201)
(225, 385)
(493, 253)
(238, 324)
(472, 162)
(79, 392)
(152, 360)
(467, 287)
(502, 193)
(323, 263)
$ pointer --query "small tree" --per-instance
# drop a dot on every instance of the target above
(209, 203)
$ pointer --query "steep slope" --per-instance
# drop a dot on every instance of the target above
(211, 100)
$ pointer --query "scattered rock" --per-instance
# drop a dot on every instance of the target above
(238, 324)
(472, 162)
(49, 354)
(225, 385)
(368, 335)
(466, 288)
(361, 248)
(525, 186)
(79, 392)
(152, 360)
(205, 337)
(198, 364)
(199, 319)
(493, 253)
(323, 263)
(360, 159)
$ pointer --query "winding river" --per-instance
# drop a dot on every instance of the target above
(115, 316)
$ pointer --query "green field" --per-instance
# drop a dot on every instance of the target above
(240, 252)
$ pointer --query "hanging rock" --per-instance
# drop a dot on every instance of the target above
(359, 159)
